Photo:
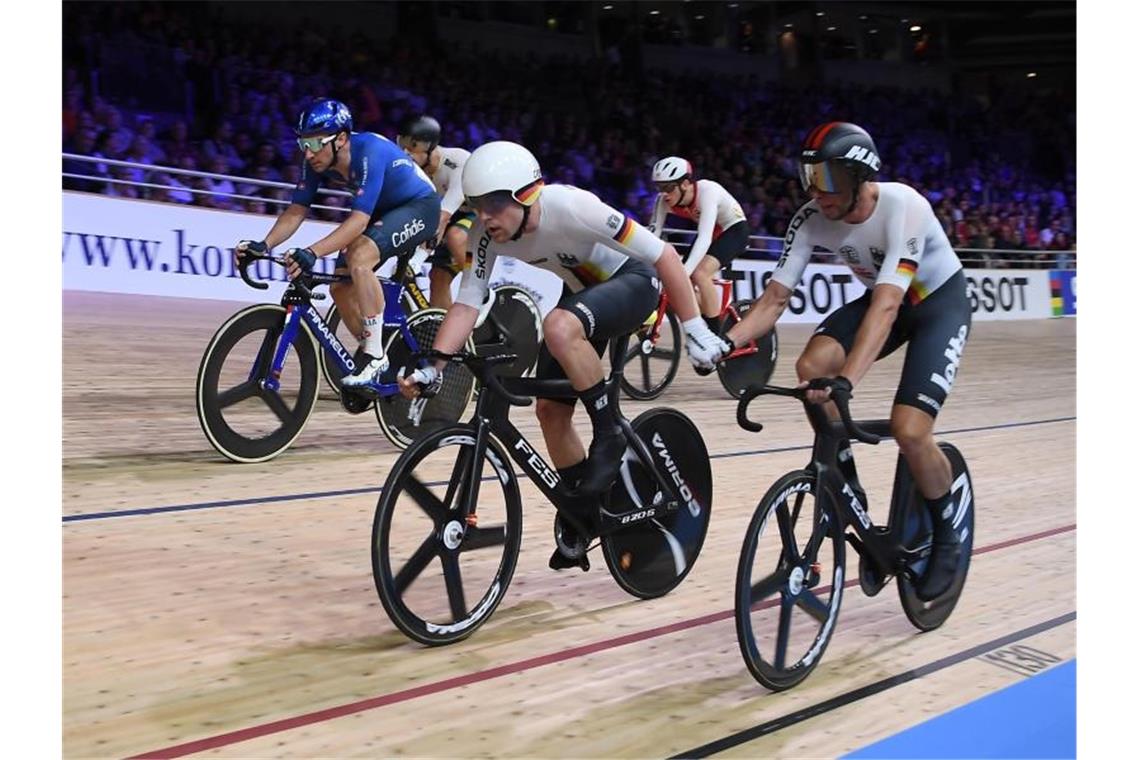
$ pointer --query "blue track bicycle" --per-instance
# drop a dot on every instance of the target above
(259, 376)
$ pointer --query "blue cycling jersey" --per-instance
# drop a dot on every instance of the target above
(381, 177)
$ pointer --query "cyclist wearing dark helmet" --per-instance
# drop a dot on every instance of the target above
(393, 209)
(916, 294)
(419, 137)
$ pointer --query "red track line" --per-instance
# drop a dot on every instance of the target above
(319, 716)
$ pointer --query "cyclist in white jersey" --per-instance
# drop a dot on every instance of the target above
(419, 137)
(609, 265)
(722, 232)
(916, 294)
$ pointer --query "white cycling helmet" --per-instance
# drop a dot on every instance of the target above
(672, 169)
(503, 165)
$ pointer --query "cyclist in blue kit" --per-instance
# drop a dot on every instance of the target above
(394, 208)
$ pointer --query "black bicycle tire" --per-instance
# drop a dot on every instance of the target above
(410, 624)
(525, 329)
(739, 374)
(926, 616)
(635, 353)
(391, 413)
(762, 671)
(225, 440)
(612, 548)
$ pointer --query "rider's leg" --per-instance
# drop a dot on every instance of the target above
(440, 278)
(363, 257)
(824, 357)
(708, 294)
(344, 297)
(913, 429)
(566, 340)
(941, 325)
(555, 418)
(731, 244)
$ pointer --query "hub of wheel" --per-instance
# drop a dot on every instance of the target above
(796, 581)
(453, 535)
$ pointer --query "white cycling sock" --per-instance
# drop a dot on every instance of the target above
(372, 344)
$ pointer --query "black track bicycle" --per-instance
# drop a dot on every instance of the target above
(448, 524)
(789, 582)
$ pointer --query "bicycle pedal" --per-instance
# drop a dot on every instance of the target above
(354, 403)
(870, 580)
(559, 561)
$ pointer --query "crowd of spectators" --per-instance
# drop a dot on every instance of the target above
(999, 174)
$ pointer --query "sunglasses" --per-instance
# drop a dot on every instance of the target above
(314, 144)
(492, 203)
(667, 187)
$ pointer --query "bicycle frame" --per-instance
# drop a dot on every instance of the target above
(885, 548)
(299, 308)
(491, 418)
(726, 309)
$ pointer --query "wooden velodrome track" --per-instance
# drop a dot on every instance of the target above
(229, 609)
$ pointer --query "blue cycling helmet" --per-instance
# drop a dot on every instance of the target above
(324, 117)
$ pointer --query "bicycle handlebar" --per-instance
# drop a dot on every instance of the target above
(838, 395)
(479, 366)
(248, 258)
(305, 283)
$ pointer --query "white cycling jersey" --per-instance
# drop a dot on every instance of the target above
(713, 209)
(447, 177)
(579, 238)
(901, 244)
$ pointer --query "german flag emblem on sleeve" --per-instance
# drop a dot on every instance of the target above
(907, 267)
(625, 232)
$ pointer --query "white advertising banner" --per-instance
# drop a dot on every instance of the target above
(126, 246)
(115, 245)
(994, 293)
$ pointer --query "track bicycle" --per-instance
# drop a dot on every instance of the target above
(789, 583)
(257, 381)
(448, 525)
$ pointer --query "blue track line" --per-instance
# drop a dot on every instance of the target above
(358, 491)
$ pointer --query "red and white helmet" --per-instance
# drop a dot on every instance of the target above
(672, 169)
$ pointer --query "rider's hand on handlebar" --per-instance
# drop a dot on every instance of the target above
(299, 261)
(820, 390)
(705, 347)
(426, 381)
(251, 246)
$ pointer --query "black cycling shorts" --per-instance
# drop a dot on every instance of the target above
(731, 244)
(399, 230)
(441, 256)
(936, 330)
(606, 310)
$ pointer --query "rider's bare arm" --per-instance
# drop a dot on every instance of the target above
(708, 206)
(345, 233)
(873, 331)
(287, 224)
(676, 282)
(761, 318)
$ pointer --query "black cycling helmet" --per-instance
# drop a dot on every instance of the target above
(838, 155)
(421, 128)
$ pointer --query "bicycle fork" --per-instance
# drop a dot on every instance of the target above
(272, 378)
